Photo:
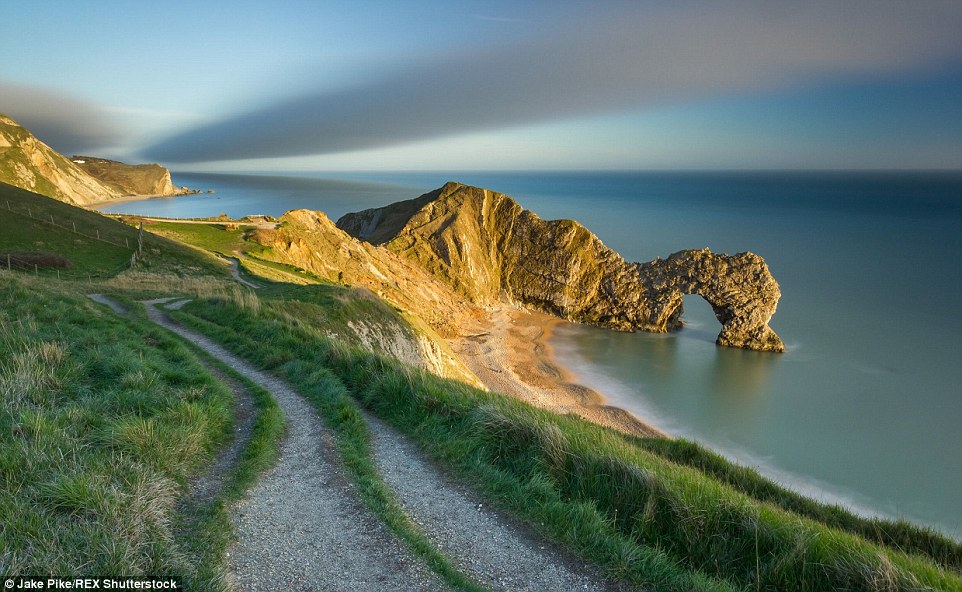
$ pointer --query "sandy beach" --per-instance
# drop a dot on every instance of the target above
(510, 352)
(129, 198)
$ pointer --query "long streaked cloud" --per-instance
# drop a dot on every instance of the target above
(66, 123)
(628, 57)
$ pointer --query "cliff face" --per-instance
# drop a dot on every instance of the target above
(309, 240)
(488, 249)
(28, 163)
(128, 179)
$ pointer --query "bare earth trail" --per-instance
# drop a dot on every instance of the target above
(302, 526)
(234, 264)
(491, 548)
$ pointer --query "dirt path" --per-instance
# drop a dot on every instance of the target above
(235, 271)
(302, 527)
(493, 549)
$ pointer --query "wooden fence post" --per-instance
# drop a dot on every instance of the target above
(98, 234)
(8, 261)
(74, 227)
(51, 220)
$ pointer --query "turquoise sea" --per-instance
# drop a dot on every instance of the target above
(865, 409)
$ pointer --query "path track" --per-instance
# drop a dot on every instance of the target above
(493, 549)
(302, 527)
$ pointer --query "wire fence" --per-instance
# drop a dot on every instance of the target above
(49, 265)
(70, 226)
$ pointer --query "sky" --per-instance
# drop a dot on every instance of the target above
(493, 85)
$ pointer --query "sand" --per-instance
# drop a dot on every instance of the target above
(510, 351)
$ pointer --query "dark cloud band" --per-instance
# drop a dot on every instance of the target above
(628, 57)
(65, 123)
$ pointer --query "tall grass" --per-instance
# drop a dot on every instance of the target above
(102, 421)
(645, 518)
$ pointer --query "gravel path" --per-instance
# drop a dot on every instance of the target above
(109, 302)
(302, 526)
(235, 271)
(493, 549)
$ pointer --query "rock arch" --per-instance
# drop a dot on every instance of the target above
(740, 289)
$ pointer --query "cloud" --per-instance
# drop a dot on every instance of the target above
(625, 57)
(66, 124)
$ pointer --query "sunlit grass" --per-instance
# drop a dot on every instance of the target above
(625, 504)
(102, 422)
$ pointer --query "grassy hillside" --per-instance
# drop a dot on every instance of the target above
(103, 420)
(94, 246)
(652, 513)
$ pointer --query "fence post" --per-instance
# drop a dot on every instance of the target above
(74, 227)
(29, 212)
(58, 274)
(8, 205)
(51, 220)
(98, 234)
(126, 242)
(8, 258)
(36, 270)
(140, 238)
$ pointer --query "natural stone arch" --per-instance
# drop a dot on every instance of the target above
(739, 288)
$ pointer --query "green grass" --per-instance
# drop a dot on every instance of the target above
(229, 240)
(635, 511)
(25, 225)
(103, 421)
(217, 238)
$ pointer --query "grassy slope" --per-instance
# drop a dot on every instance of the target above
(103, 419)
(625, 504)
(25, 225)
(228, 239)
(102, 422)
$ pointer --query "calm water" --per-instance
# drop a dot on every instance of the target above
(866, 407)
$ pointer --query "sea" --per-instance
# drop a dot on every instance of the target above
(865, 408)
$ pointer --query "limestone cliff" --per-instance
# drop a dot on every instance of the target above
(488, 249)
(309, 240)
(28, 163)
(128, 179)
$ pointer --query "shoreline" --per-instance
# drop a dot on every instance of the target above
(510, 352)
(129, 198)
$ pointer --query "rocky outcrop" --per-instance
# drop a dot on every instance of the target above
(28, 163)
(489, 249)
(309, 240)
(128, 179)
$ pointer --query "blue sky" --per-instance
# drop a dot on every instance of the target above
(430, 85)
